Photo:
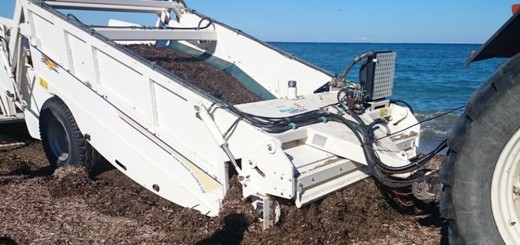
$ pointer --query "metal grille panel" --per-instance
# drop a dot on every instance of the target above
(384, 75)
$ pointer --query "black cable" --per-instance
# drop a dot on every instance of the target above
(232, 127)
(404, 103)
(364, 133)
(378, 174)
(382, 171)
(73, 17)
(280, 124)
(210, 21)
(352, 63)
(423, 121)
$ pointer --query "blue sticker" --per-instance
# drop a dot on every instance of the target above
(296, 108)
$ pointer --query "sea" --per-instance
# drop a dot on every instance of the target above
(430, 77)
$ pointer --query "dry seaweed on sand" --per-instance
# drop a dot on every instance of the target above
(38, 206)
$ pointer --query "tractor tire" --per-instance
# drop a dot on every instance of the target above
(481, 175)
(62, 140)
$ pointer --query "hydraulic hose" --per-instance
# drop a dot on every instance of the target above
(382, 171)
(364, 133)
(341, 78)
(404, 103)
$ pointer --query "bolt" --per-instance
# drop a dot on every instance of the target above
(155, 187)
(513, 223)
(269, 147)
(516, 190)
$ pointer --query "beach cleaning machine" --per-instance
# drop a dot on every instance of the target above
(83, 93)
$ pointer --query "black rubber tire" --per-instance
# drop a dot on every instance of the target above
(491, 117)
(62, 140)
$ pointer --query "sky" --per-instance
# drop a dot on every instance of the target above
(375, 21)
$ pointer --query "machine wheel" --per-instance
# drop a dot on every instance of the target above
(481, 176)
(62, 140)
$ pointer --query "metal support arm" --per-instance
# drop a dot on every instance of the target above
(155, 34)
(116, 5)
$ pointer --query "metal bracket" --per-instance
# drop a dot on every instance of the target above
(268, 210)
(429, 190)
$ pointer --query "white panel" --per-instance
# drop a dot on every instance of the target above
(129, 87)
(82, 59)
(177, 118)
(118, 138)
(50, 39)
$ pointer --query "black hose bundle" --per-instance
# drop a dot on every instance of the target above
(381, 171)
(281, 124)
(364, 133)
(341, 78)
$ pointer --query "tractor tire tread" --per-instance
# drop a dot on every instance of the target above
(478, 106)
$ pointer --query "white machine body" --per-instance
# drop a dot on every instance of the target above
(148, 122)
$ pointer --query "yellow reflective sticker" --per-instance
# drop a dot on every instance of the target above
(44, 83)
(50, 63)
(383, 111)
